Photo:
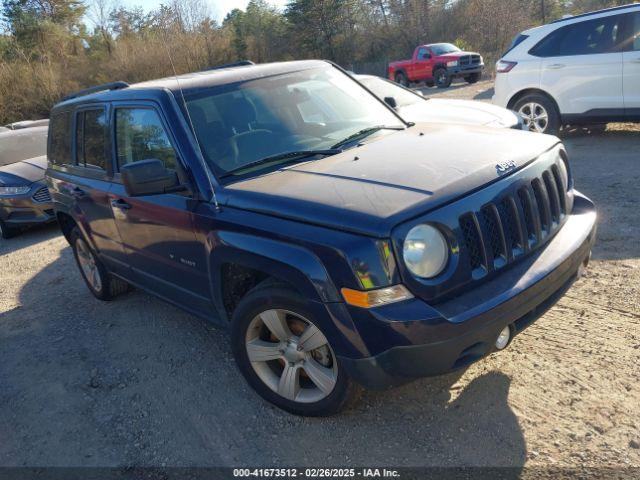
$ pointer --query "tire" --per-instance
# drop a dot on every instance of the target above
(401, 78)
(473, 78)
(102, 284)
(282, 369)
(539, 113)
(6, 232)
(442, 78)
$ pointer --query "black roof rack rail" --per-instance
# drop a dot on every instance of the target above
(241, 63)
(98, 88)
(596, 12)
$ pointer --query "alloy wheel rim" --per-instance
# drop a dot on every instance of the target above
(88, 265)
(535, 117)
(291, 356)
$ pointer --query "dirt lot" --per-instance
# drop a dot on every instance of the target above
(138, 382)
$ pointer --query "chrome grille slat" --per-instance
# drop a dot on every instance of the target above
(553, 196)
(559, 185)
(42, 195)
(544, 209)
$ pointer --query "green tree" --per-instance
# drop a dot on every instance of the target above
(34, 23)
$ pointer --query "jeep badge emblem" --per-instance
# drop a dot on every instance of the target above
(504, 167)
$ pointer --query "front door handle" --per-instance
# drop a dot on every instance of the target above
(556, 66)
(120, 204)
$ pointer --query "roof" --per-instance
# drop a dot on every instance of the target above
(223, 76)
(206, 78)
(596, 12)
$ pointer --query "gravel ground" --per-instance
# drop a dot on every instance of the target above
(138, 382)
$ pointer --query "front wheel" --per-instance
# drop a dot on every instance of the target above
(6, 231)
(539, 113)
(442, 78)
(284, 354)
(402, 79)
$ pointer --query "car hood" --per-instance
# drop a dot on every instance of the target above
(456, 55)
(23, 173)
(467, 112)
(397, 176)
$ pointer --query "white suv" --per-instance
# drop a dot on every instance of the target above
(578, 70)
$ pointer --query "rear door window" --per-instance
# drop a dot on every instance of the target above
(91, 139)
(601, 35)
(140, 135)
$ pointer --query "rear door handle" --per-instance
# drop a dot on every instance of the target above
(120, 204)
(556, 66)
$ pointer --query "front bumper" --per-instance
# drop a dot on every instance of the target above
(458, 332)
(31, 208)
(464, 70)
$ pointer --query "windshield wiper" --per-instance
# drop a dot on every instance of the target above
(364, 133)
(285, 157)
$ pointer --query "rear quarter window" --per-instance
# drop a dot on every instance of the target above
(59, 151)
(516, 41)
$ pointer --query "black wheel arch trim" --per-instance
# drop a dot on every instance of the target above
(290, 263)
(533, 91)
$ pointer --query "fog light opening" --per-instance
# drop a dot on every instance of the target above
(503, 338)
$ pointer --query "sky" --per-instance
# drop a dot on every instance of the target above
(219, 8)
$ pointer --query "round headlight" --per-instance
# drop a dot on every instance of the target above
(425, 251)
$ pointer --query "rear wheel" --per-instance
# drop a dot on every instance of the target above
(285, 356)
(473, 78)
(100, 282)
(539, 113)
(442, 78)
(401, 78)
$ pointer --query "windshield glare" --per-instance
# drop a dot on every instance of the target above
(444, 48)
(312, 109)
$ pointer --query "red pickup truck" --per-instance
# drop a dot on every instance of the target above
(437, 64)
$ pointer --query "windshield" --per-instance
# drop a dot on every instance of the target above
(242, 123)
(382, 88)
(443, 48)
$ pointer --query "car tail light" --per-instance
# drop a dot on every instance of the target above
(504, 66)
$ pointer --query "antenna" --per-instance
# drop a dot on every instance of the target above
(193, 130)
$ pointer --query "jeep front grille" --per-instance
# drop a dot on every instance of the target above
(501, 232)
(42, 195)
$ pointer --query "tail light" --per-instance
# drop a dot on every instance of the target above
(504, 66)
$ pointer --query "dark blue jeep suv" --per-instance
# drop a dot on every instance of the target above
(341, 245)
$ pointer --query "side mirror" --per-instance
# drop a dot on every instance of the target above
(149, 177)
(391, 102)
